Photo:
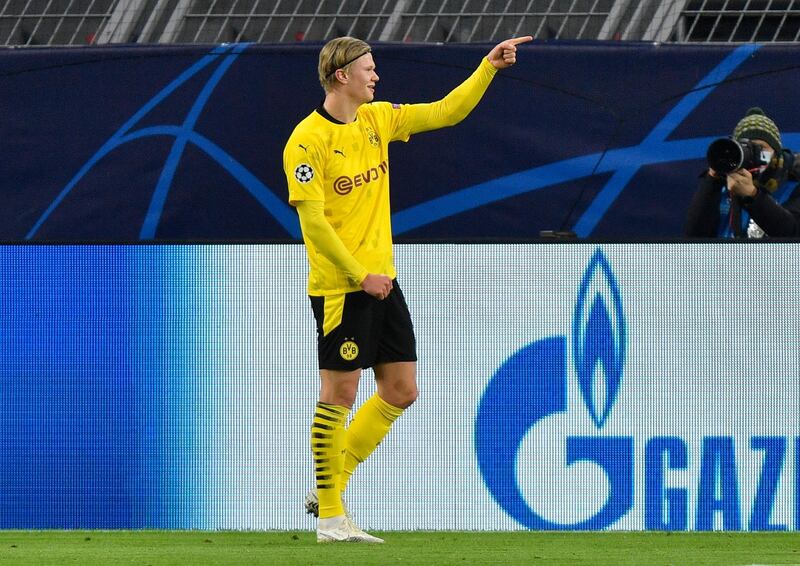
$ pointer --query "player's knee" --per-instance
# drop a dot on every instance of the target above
(409, 395)
(339, 392)
(399, 395)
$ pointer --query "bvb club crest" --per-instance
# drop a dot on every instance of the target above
(348, 350)
(373, 137)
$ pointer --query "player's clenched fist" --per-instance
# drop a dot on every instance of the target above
(379, 286)
(504, 54)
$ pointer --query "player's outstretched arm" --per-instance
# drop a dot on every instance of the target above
(460, 101)
(504, 54)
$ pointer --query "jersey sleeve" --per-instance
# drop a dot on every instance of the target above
(321, 235)
(303, 164)
(408, 119)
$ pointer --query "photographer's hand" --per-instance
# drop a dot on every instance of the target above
(740, 183)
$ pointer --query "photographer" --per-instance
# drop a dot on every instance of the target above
(756, 200)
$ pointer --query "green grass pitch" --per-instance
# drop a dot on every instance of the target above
(408, 548)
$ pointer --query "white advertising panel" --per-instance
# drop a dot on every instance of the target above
(574, 386)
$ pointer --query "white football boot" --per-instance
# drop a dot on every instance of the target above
(343, 529)
(311, 503)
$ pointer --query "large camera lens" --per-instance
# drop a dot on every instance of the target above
(725, 155)
(728, 154)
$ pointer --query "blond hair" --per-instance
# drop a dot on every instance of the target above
(338, 54)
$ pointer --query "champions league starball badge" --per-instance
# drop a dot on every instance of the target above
(304, 173)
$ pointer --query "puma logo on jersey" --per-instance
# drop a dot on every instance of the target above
(303, 147)
(339, 151)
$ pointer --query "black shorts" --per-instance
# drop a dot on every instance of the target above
(371, 331)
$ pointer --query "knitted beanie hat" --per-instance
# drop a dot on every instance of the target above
(756, 126)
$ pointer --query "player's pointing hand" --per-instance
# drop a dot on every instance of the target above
(505, 54)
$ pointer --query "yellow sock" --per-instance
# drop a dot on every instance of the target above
(369, 426)
(327, 446)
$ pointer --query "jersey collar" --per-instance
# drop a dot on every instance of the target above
(325, 114)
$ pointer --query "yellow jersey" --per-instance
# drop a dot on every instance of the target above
(346, 167)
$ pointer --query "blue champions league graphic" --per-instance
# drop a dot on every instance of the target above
(183, 134)
(532, 386)
(201, 158)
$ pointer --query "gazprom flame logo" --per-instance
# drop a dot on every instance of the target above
(598, 332)
(532, 385)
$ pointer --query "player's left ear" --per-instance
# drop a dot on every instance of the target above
(341, 76)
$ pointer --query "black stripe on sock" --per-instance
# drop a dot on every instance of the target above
(327, 418)
(330, 408)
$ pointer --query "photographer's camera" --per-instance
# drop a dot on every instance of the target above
(726, 155)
